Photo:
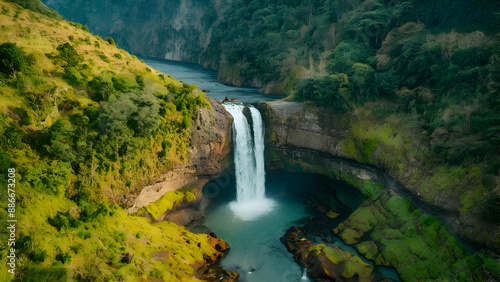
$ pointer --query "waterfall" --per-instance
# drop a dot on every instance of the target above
(248, 139)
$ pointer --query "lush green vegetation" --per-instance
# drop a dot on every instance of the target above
(304, 36)
(389, 231)
(392, 231)
(82, 132)
(167, 202)
(421, 94)
(443, 74)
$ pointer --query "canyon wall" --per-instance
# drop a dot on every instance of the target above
(210, 146)
(305, 138)
(174, 30)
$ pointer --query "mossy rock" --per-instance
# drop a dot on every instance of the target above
(331, 214)
(167, 202)
(341, 227)
(350, 236)
(368, 249)
(337, 264)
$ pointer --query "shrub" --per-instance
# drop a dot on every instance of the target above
(12, 59)
(53, 273)
(102, 86)
(328, 91)
(63, 257)
(59, 221)
(110, 40)
(140, 81)
(104, 58)
(68, 55)
(38, 255)
(137, 112)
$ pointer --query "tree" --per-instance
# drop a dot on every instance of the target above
(361, 78)
(135, 111)
(68, 55)
(12, 59)
(330, 91)
(110, 40)
(387, 83)
(60, 135)
(102, 86)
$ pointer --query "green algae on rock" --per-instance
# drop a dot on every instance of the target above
(390, 231)
(331, 262)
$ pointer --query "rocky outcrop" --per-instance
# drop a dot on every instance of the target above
(174, 30)
(210, 145)
(302, 137)
(325, 262)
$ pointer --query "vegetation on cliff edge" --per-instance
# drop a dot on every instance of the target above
(84, 123)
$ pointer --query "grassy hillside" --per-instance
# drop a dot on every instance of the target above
(83, 123)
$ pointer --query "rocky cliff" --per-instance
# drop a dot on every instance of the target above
(174, 30)
(210, 145)
(302, 137)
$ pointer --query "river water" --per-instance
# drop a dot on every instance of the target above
(256, 252)
(207, 80)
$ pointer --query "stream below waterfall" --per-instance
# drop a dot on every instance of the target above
(256, 251)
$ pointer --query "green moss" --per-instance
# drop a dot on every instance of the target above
(492, 266)
(367, 249)
(353, 265)
(417, 246)
(331, 214)
(372, 190)
(168, 201)
(350, 236)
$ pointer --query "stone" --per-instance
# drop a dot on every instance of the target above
(232, 274)
(324, 262)
(368, 249)
(350, 236)
(331, 214)
(292, 233)
(321, 209)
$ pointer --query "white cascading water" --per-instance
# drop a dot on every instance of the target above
(251, 201)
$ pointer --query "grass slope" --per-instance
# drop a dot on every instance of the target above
(72, 125)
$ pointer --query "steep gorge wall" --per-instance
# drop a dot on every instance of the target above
(301, 137)
(175, 30)
(210, 146)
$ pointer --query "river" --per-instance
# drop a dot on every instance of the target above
(207, 80)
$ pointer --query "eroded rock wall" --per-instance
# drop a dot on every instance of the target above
(174, 30)
(302, 137)
(210, 146)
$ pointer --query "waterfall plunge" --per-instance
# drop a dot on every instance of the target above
(251, 201)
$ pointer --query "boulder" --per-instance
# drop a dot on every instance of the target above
(324, 262)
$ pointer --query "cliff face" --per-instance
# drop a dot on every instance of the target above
(174, 30)
(210, 145)
(301, 137)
